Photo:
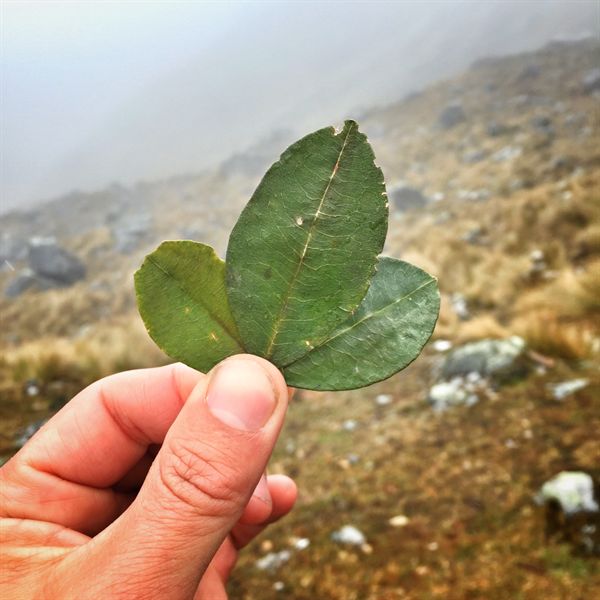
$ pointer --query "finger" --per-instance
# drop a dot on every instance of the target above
(284, 494)
(197, 488)
(92, 443)
(106, 429)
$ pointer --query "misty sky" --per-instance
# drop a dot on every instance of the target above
(96, 92)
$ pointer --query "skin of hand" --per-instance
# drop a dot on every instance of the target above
(145, 485)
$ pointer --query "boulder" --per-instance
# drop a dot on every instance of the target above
(591, 81)
(453, 114)
(497, 358)
(53, 264)
(404, 197)
(573, 491)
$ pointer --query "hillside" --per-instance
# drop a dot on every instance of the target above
(494, 187)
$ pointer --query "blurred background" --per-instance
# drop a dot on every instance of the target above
(475, 472)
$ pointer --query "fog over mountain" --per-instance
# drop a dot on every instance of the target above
(99, 92)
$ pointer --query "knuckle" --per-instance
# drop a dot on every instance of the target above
(201, 477)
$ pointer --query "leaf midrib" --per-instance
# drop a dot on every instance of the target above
(283, 309)
(365, 318)
(223, 326)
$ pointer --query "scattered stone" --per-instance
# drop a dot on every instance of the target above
(349, 425)
(543, 125)
(130, 231)
(591, 81)
(573, 491)
(473, 236)
(54, 264)
(474, 195)
(405, 198)
(487, 358)
(399, 521)
(31, 388)
(451, 393)
(273, 560)
(473, 156)
(383, 399)
(300, 544)
(507, 153)
(495, 129)
(441, 345)
(349, 535)
(538, 263)
(561, 390)
(529, 72)
(460, 307)
(279, 586)
(452, 115)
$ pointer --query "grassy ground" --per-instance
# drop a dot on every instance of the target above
(465, 480)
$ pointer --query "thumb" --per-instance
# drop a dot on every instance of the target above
(211, 460)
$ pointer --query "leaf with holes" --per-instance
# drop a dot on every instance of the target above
(181, 296)
(385, 334)
(302, 254)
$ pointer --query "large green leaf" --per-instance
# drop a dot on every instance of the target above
(303, 251)
(181, 296)
(383, 336)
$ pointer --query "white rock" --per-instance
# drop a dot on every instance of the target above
(561, 390)
(383, 399)
(573, 490)
(349, 535)
(301, 544)
(399, 521)
(349, 425)
(273, 560)
(442, 345)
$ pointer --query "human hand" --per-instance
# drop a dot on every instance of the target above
(145, 485)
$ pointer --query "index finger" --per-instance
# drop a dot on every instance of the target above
(106, 429)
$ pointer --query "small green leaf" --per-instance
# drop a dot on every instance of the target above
(383, 336)
(181, 296)
(304, 250)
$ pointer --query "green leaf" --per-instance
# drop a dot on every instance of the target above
(181, 296)
(303, 251)
(383, 336)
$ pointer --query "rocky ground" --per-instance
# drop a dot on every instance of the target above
(425, 485)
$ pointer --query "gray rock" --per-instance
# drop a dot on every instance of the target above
(453, 114)
(12, 249)
(406, 198)
(529, 72)
(460, 307)
(561, 390)
(473, 156)
(473, 236)
(573, 491)
(591, 81)
(543, 125)
(129, 232)
(451, 393)
(349, 535)
(507, 153)
(273, 560)
(53, 264)
(22, 282)
(495, 129)
(498, 358)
